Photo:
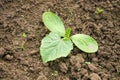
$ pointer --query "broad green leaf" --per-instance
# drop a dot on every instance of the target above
(53, 47)
(53, 23)
(85, 43)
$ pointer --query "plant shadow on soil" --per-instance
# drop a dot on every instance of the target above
(19, 16)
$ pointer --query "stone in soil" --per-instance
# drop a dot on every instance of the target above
(8, 57)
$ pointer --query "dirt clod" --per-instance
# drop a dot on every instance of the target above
(95, 59)
(41, 77)
(92, 67)
(110, 67)
(83, 71)
(2, 52)
(76, 59)
(63, 67)
(94, 76)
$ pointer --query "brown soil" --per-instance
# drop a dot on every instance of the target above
(18, 16)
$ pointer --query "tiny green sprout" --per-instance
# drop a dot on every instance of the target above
(100, 67)
(78, 70)
(22, 46)
(99, 10)
(55, 73)
(118, 72)
(24, 34)
(58, 43)
(87, 62)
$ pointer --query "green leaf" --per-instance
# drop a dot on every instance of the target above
(53, 47)
(85, 43)
(53, 23)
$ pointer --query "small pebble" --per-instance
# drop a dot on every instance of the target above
(8, 57)
(31, 69)
(9, 16)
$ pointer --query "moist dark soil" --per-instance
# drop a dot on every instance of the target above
(25, 16)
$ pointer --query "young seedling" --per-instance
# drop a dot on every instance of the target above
(55, 73)
(98, 11)
(22, 46)
(78, 70)
(118, 72)
(58, 43)
(24, 35)
(87, 62)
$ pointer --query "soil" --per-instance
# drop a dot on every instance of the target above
(24, 16)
